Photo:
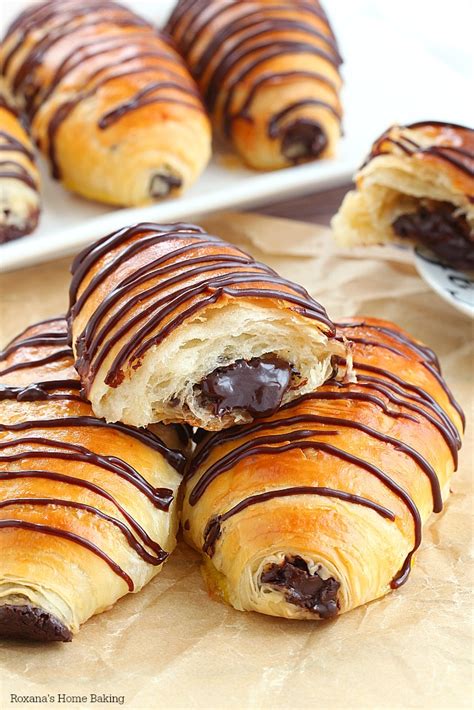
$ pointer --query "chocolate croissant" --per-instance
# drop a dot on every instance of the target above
(417, 185)
(19, 176)
(171, 324)
(320, 508)
(269, 73)
(88, 510)
(111, 103)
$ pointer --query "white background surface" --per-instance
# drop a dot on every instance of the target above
(404, 61)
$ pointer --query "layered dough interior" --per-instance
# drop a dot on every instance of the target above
(237, 363)
(406, 198)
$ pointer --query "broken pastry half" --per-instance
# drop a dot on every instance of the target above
(417, 185)
(19, 176)
(171, 324)
(110, 102)
(320, 508)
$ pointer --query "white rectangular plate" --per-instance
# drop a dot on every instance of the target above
(388, 78)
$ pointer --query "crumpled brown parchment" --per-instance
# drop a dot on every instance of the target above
(171, 646)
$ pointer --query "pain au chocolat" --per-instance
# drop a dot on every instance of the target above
(88, 510)
(269, 73)
(320, 508)
(417, 185)
(110, 101)
(171, 324)
(19, 176)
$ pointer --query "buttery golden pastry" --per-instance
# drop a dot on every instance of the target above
(269, 73)
(319, 508)
(171, 324)
(88, 510)
(416, 185)
(19, 177)
(110, 102)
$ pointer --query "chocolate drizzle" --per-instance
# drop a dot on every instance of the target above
(28, 440)
(144, 315)
(71, 537)
(459, 156)
(439, 227)
(17, 162)
(230, 47)
(256, 385)
(45, 340)
(122, 38)
(281, 434)
(213, 530)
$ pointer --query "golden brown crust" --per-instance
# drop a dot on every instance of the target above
(19, 176)
(156, 309)
(269, 72)
(110, 101)
(336, 485)
(416, 185)
(88, 511)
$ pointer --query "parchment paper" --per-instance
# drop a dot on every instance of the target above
(171, 646)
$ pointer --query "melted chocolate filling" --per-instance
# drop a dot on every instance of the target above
(256, 385)
(303, 140)
(9, 232)
(163, 183)
(24, 621)
(438, 228)
(309, 591)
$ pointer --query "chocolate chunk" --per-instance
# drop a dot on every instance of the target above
(438, 228)
(256, 385)
(309, 591)
(162, 184)
(211, 535)
(24, 621)
(9, 232)
(303, 140)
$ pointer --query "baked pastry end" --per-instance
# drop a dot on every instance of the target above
(417, 185)
(25, 621)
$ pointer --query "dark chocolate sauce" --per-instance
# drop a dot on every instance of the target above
(213, 531)
(251, 35)
(412, 398)
(10, 143)
(423, 351)
(25, 621)
(53, 357)
(309, 591)
(302, 139)
(437, 227)
(19, 449)
(121, 37)
(160, 497)
(61, 503)
(154, 321)
(94, 488)
(459, 157)
(71, 537)
(9, 232)
(12, 169)
(162, 184)
(145, 436)
(42, 391)
(51, 339)
(18, 173)
(257, 386)
(413, 388)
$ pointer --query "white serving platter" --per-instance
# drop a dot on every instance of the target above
(453, 286)
(389, 77)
